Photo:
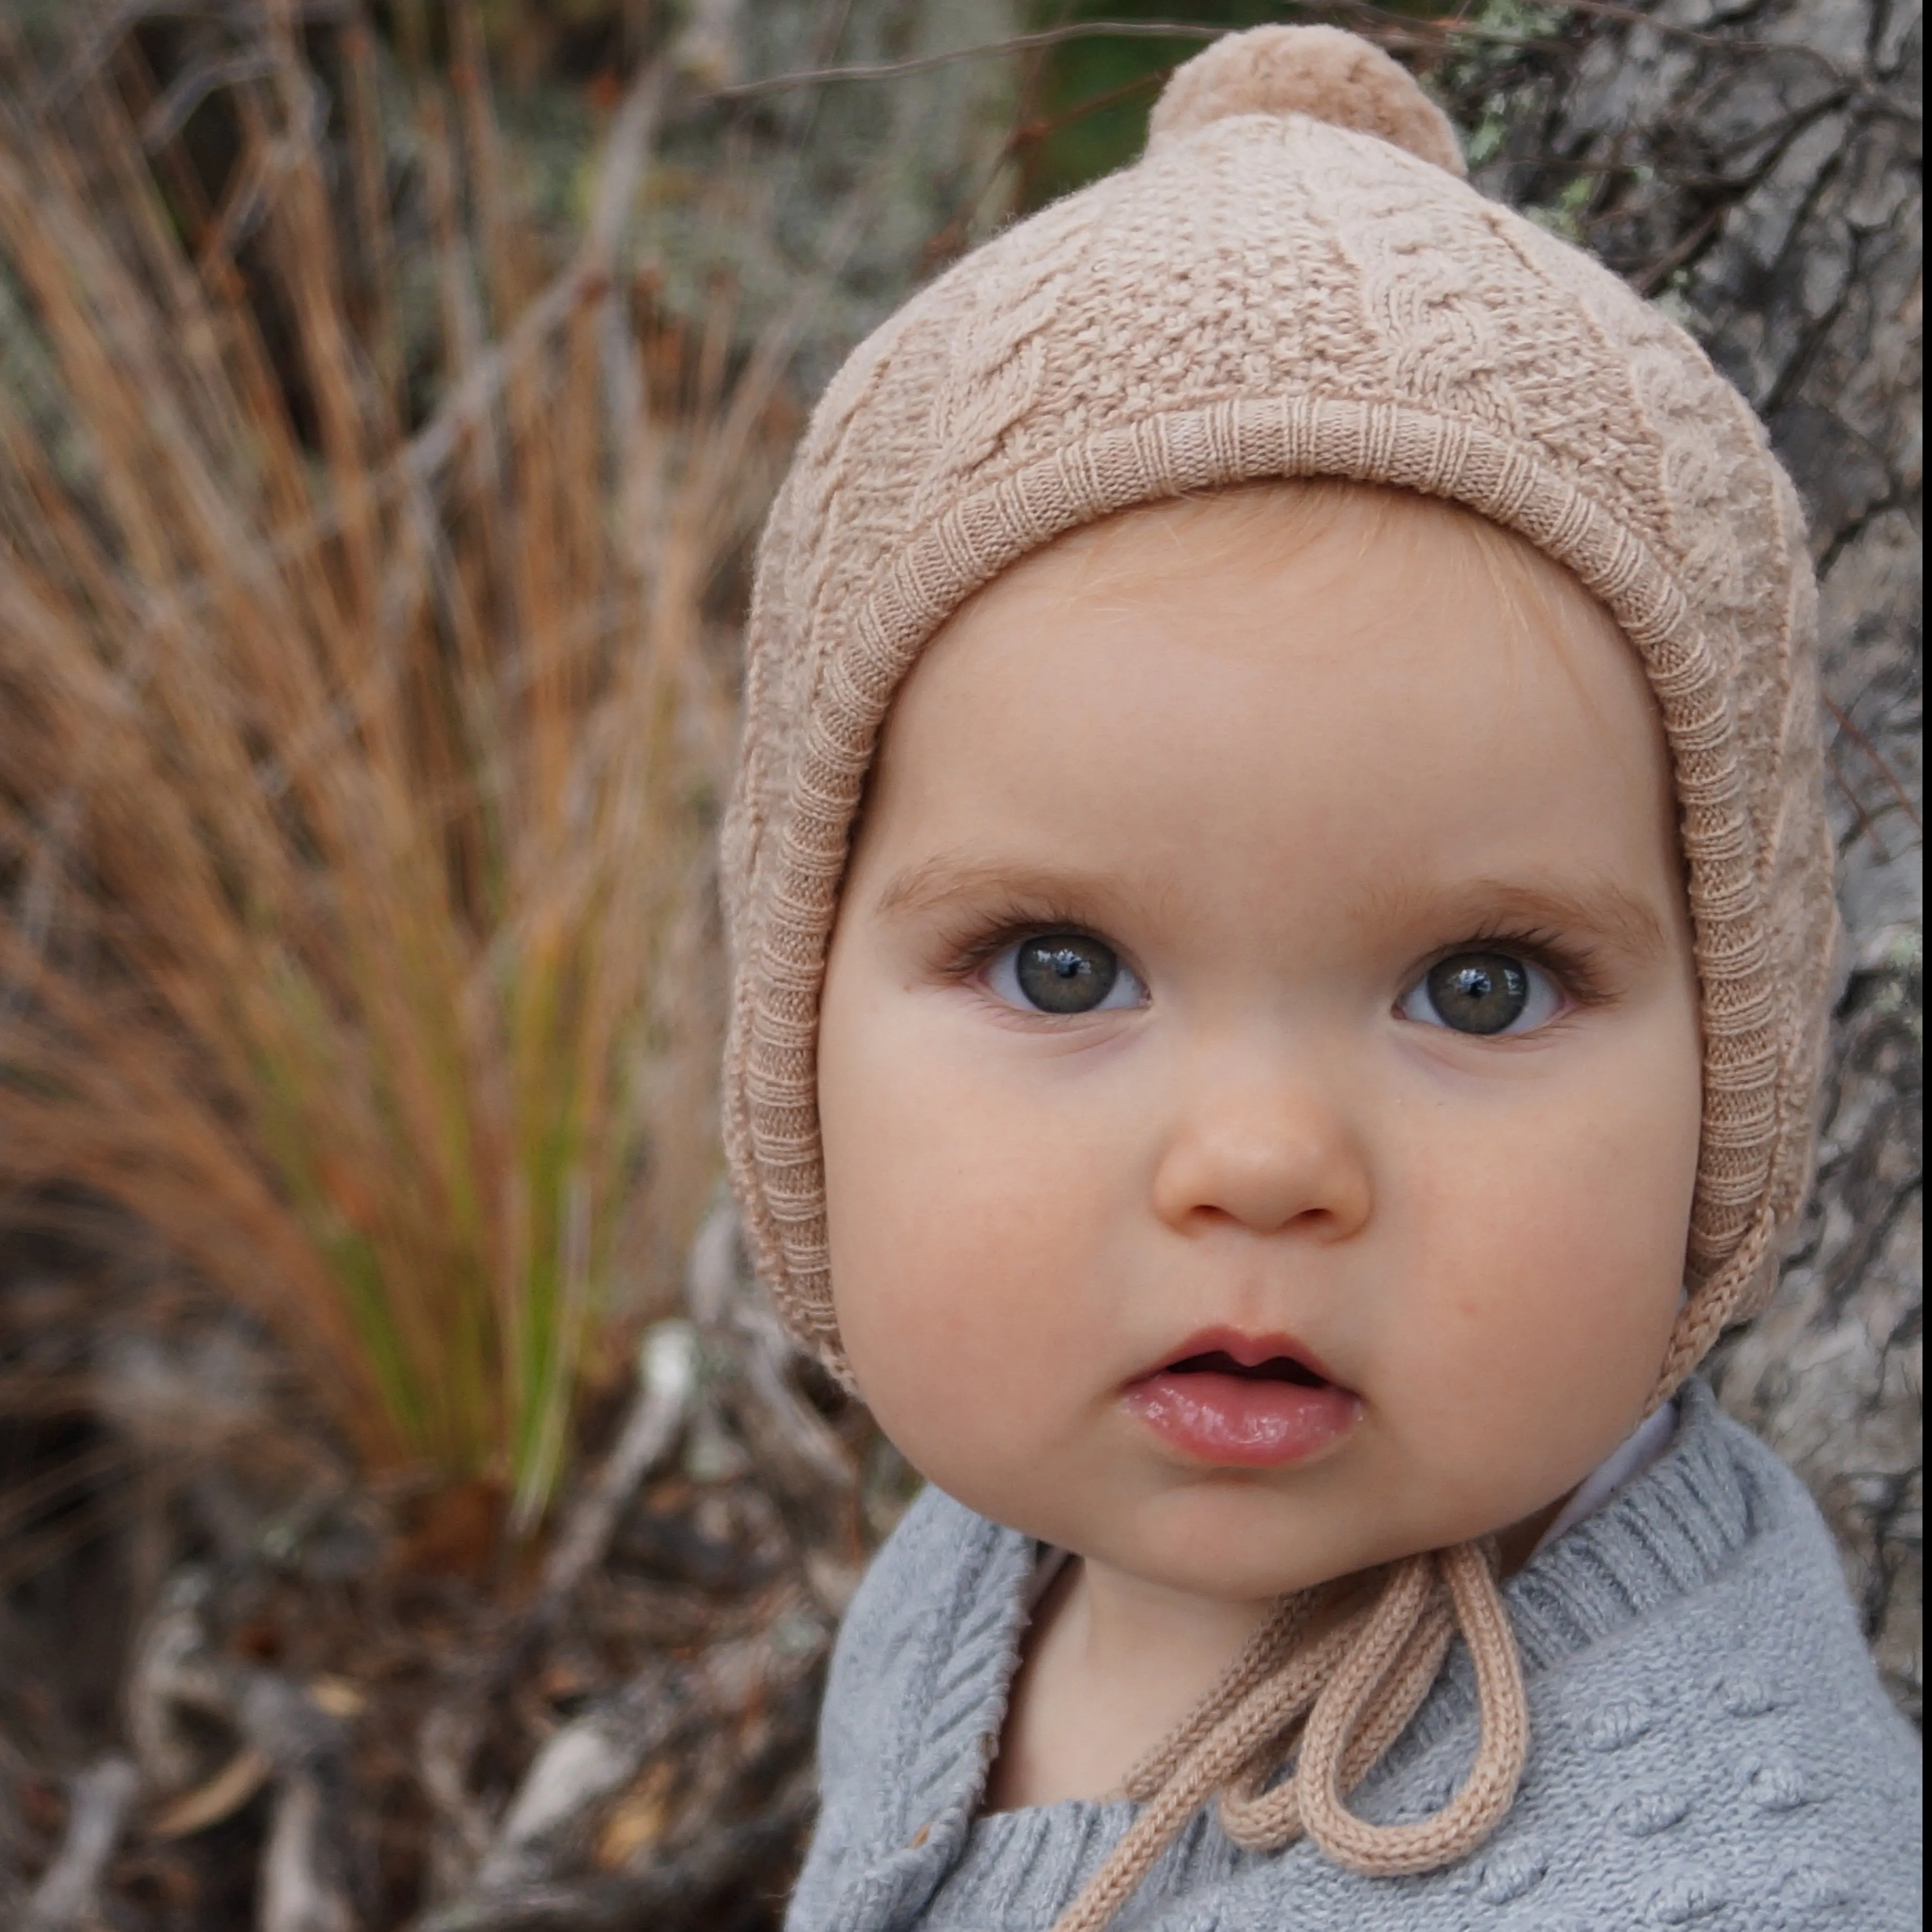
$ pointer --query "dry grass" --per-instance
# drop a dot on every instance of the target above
(362, 714)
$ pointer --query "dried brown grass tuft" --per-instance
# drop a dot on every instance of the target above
(362, 713)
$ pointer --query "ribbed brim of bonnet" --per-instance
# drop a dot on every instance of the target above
(1293, 281)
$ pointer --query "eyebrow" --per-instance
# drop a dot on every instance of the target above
(935, 884)
(1599, 907)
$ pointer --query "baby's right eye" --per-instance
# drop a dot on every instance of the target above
(1066, 973)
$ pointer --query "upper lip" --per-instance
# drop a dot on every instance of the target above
(1251, 1351)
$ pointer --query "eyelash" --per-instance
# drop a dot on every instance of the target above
(969, 947)
(1574, 967)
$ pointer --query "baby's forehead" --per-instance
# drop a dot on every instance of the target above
(1271, 658)
(1282, 539)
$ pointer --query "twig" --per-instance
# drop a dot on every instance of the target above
(583, 1766)
(68, 1898)
(591, 1760)
(304, 1878)
(224, 1794)
(1648, 279)
(1013, 43)
(166, 118)
(304, 1874)
(667, 1373)
(172, 1672)
(1844, 722)
(804, 1464)
(586, 1764)
(671, 1892)
(445, 1745)
(726, 1306)
(1863, 828)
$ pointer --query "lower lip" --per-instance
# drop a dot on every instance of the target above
(1234, 1421)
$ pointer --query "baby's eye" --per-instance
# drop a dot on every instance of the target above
(1063, 972)
(1483, 993)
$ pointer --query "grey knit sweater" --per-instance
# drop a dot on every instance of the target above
(1710, 1746)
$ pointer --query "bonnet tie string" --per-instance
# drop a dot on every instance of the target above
(1350, 1689)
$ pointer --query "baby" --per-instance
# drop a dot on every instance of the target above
(1281, 916)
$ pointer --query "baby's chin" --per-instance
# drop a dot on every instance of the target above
(1231, 1575)
(1237, 1543)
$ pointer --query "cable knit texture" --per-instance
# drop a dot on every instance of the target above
(1295, 281)
(1714, 1749)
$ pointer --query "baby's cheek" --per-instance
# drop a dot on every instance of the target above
(957, 1302)
(951, 1373)
(1547, 1264)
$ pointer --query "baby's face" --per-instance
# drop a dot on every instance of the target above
(1259, 1067)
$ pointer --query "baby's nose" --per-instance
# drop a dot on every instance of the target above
(1268, 1150)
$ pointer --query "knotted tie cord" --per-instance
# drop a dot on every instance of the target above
(1352, 1689)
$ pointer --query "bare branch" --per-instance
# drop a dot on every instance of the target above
(68, 1898)
(1013, 43)
(668, 1374)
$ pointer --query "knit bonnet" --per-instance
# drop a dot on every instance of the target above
(1296, 280)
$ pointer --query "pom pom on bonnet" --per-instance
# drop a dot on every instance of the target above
(1294, 280)
(1333, 77)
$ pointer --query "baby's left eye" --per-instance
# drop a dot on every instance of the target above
(1063, 972)
(1483, 993)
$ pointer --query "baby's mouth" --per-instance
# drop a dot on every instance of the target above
(1243, 1401)
(1273, 1368)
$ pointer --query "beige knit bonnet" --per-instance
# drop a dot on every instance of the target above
(1295, 280)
